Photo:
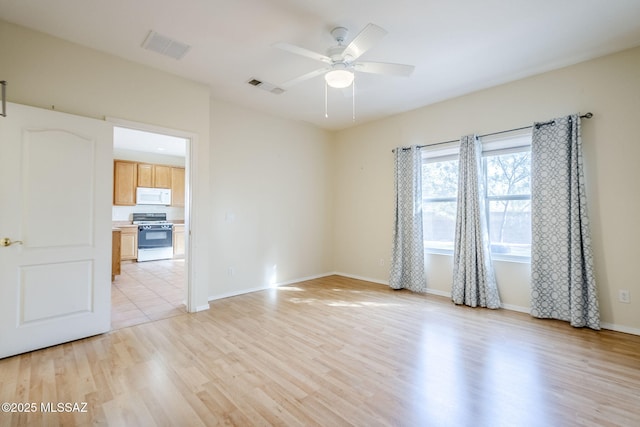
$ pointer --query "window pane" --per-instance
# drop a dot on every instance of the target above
(509, 174)
(440, 179)
(439, 224)
(510, 227)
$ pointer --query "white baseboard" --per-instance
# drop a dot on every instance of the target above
(302, 279)
(236, 293)
(202, 307)
(620, 328)
(265, 287)
(517, 308)
(366, 279)
(439, 293)
(386, 283)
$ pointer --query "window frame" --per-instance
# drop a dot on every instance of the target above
(504, 143)
(435, 156)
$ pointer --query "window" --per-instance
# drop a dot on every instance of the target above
(439, 191)
(507, 177)
(508, 204)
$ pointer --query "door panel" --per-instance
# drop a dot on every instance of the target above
(55, 187)
(41, 284)
(65, 156)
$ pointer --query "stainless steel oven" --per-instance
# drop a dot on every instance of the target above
(155, 236)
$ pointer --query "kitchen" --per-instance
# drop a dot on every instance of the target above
(148, 217)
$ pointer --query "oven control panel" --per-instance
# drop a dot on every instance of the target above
(155, 227)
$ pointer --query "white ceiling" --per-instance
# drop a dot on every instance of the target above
(457, 46)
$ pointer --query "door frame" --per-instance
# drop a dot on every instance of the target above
(191, 141)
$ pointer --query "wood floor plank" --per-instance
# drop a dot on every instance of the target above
(335, 351)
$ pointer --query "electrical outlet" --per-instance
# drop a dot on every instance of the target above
(624, 296)
(381, 262)
(231, 271)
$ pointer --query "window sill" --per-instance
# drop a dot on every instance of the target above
(494, 257)
(511, 258)
(431, 251)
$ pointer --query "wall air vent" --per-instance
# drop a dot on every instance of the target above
(269, 87)
(165, 46)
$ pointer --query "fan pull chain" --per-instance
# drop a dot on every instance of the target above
(353, 100)
(326, 112)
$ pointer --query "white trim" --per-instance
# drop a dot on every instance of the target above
(149, 127)
(620, 328)
(439, 154)
(202, 307)
(514, 141)
(366, 279)
(237, 293)
(191, 154)
(266, 287)
(517, 308)
(386, 283)
(439, 293)
(303, 279)
(518, 259)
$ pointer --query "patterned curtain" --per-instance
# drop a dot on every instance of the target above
(562, 278)
(474, 282)
(407, 265)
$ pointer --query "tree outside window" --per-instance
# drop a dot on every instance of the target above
(508, 179)
(507, 175)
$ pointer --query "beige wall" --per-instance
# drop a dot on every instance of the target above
(609, 87)
(47, 72)
(271, 200)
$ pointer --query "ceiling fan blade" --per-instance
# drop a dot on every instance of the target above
(365, 40)
(310, 75)
(302, 51)
(384, 68)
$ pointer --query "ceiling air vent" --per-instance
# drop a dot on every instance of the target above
(165, 45)
(269, 87)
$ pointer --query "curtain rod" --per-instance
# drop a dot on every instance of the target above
(584, 116)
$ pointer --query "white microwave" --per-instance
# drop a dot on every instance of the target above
(153, 196)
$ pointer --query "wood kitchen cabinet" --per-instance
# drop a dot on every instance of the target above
(178, 241)
(145, 175)
(125, 178)
(162, 176)
(129, 242)
(177, 186)
(154, 176)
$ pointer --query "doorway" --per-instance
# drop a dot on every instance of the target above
(153, 289)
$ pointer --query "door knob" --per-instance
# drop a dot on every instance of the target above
(7, 242)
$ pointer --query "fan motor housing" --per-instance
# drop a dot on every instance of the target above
(335, 53)
(339, 34)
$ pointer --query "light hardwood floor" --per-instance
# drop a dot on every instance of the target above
(333, 352)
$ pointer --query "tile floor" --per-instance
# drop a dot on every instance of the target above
(147, 291)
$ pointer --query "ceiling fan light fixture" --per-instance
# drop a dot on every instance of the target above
(339, 78)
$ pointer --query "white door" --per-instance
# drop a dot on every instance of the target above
(55, 218)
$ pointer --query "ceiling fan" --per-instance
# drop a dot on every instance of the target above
(341, 61)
